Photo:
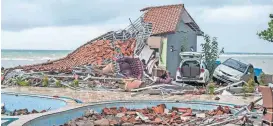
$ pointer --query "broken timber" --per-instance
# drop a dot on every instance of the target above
(230, 85)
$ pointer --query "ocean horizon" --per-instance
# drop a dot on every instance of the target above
(15, 57)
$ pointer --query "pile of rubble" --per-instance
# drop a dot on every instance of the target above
(96, 63)
(157, 115)
(3, 108)
(96, 52)
(127, 73)
(20, 112)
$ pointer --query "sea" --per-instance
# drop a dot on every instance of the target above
(11, 58)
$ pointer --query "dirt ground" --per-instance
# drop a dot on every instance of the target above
(96, 96)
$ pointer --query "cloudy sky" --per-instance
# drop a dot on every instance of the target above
(67, 24)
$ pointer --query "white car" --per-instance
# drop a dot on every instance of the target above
(192, 68)
(231, 71)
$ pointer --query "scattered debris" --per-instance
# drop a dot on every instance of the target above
(157, 115)
(3, 110)
(217, 98)
(225, 92)
(21, 112)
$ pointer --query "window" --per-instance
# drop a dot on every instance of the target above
(191, 64)
(204, 65)
(250, 69)
(234, 64)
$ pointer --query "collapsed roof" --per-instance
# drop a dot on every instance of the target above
(129, 41)
(102, 49)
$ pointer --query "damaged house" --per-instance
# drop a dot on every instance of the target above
(173, 31)
(166, 29)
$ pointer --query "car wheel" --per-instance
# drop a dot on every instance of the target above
(218, 82)
(214, 79)
(205, 84)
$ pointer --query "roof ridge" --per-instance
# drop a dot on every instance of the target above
(161, 6)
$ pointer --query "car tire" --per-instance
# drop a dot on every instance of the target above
(214, 79)
(218, 82)
(205, 84)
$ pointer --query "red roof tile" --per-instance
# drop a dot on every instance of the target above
(164, 19)
(91, 53)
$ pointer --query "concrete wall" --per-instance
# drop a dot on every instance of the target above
(176, 40)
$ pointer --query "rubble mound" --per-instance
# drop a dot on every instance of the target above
(21, 112)
(157, 115)
(97, 52)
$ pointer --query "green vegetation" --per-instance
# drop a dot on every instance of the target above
(75, 83)
(262, 79)
(21, 82)
(211, 88)
(45, 81)
(268, 33)
(58, 83)
(210, 51)
(250, 86)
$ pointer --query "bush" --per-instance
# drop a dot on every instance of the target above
(75, 83)
(262, 79)
(23, 83)
(249, 87)
(45, 81)
(211, 88)
(58, 83)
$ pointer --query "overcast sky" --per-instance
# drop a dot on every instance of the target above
(67, 24)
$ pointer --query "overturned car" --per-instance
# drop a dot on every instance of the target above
(231, 70)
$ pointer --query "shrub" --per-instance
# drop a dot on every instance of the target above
(58, 83)
(211, 88)
(249, 87)
(45, 81)
(23, 83)
(75, 83)
(262, 79)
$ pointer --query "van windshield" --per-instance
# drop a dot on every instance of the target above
(235, 65)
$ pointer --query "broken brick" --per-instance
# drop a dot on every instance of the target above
(132, 119)
(130, 112)
(148, 116)
(90, 53)
(122, 109)
(158, 120)
(107, 111)
(113, 122)
(124, 119)
(159, 109)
